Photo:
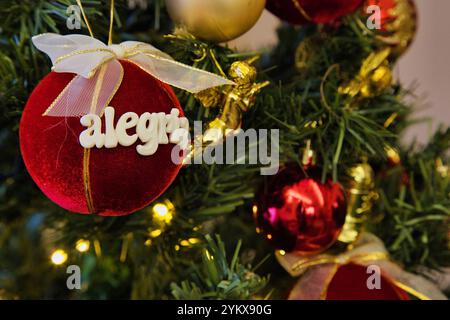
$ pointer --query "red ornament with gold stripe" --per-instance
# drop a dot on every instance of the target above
(98, 133)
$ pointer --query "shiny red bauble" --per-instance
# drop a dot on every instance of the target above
(298, 213)
(301, 12)
(110, 182)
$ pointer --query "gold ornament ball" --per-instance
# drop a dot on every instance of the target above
(216, 20)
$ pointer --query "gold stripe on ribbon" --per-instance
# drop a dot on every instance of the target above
(410, 290)
(114, 91)
(77, 52)
(86, 180)
(87, 152)
(359, 258)
(301, 10)
(82, 51)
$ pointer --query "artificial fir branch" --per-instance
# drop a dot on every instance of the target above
(218, 277)
(303, 104)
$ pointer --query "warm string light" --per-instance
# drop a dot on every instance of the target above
(82, 245)
(155, 233)
(163, 212)
(162, 215)
(189, 242)
(59, 257)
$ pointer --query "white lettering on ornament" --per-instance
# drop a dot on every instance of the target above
(152, 129)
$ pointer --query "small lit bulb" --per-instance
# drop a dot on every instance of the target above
(163, 211)
(255, 210)
(155, 233)
(160, 210)
(82, 245)
(194, 240)
(58, 257)
(185, 243)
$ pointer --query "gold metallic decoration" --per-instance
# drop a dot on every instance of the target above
(218, 20)
(442, 169)
(361, 195)
(234, 101)
(374, 77)
(401, 27)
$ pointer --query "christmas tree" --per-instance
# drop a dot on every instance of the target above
(336, 186)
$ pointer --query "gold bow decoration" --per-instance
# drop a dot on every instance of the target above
(317, 271)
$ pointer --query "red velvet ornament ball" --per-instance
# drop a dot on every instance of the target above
(300, 214)
(312, 11)
(350, 283)
(108, 182)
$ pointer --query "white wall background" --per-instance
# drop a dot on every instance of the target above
(426, 63)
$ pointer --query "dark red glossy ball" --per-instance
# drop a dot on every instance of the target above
(312, 11)
(299, 214)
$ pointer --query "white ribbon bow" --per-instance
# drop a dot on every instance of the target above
(99, 73)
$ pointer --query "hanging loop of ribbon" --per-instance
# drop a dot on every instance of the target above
(99, 72)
